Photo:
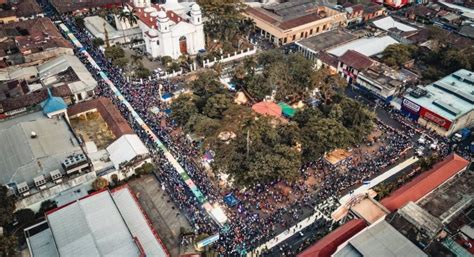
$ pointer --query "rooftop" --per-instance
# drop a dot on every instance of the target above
(92, 226)
(101, 224)
(329, 39)
(367, 46)
(125, 149)
(24, 8)
(450, 97)
(425, 183)
(356, 60)
(23, 157)
(65, 6)
(49, 73)
(37, 35)
(388, 23)
(114, 119)
(328, 244)
(380, 239)
(291, 14)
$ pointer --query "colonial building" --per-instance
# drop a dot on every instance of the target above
(170, 29)
(294, 20)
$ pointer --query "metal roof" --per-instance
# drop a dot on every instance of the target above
(380, 239)
(449, 97)
(125, 149)
(137, 222)
(368, 46)
(62, 63)
(23, 158)
(92, 227)
(388, 23)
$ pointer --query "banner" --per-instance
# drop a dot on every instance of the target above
(410, 106)
(433, 117)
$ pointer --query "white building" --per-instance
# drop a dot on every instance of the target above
(170, 29)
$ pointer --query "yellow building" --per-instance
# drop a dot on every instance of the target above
(291, 21)
(7, 16)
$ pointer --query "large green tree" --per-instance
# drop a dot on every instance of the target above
(7, 206)
(182, 109)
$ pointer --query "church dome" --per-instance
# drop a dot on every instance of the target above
(195, 7)
(162, 15)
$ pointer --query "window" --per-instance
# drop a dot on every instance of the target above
(158, 42)
(285, 40)
(311, 31)
(302, 35)
(294, 37)
(199, 20)
(317, 30)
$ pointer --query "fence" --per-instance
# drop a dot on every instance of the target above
(230, 57)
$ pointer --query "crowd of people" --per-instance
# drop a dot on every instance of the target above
(263, 211)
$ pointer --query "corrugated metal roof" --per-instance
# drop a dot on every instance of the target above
(137, 223)
(125, 149)
(92, 227)
(367, 46)
(425, 183)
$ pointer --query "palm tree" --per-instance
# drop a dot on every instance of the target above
(128, 16)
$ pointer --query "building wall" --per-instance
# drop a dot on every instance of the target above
(48, 53)
(281, 37)
(9, 19)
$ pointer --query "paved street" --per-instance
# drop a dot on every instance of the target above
(166, 218)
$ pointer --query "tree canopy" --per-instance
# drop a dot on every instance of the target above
(264, 149)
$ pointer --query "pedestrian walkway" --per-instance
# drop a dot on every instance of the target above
(319, 213)
(215, 212)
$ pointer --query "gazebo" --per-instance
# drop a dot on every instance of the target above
(267, 108)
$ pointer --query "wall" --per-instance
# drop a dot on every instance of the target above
(230, 57)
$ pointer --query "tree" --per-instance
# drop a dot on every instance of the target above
(182, 109)
(257, 86)
(114, 52)
(128, 16)
(174, 66)
(100, 183)
(25, 217)
(121, 62)
(79, 20)
(8, 245)
(7, 206)
(326, 84)
(45, 207)
(396, 55)
(165, 60)
(98, 42)
(323, 135)
(223, 18)
(216, 105)
(142, 72)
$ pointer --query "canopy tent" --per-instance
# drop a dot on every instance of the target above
(267, 108)
(287, 110)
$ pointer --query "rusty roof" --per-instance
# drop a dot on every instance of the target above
(33, 98)
(111, 115)
(426, 182)
(356, 60)
(65, 6)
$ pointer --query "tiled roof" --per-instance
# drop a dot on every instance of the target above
(31, 99)
(41, 35)
(111, 115)
(425, 183)
(356, 60)
(65, 6)
(328, 245)
(27, 8)
(284, 25)
(152, 21)
(327, 59)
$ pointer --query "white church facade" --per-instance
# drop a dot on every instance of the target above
(170, 29)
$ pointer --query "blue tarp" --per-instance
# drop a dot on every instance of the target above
(167, 96)
(231, 200)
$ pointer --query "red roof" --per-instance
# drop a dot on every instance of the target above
(356, 60)
(328, 244)
(267, 108)
(425, 182)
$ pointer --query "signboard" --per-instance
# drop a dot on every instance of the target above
(435, 118)
(410, 106)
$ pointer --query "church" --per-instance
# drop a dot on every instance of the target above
(170, 29)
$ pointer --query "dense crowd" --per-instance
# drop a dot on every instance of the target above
(263, 212)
